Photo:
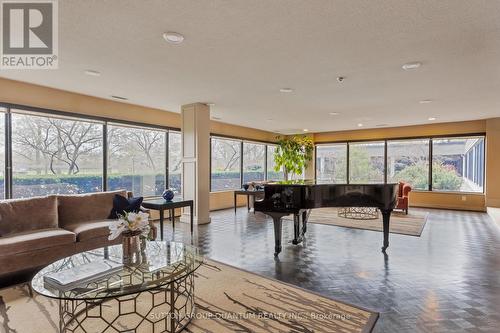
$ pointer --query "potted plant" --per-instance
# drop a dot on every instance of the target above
(293, 154)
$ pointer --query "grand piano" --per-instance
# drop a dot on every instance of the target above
(299, 197)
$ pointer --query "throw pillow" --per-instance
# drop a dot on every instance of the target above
(123, 205)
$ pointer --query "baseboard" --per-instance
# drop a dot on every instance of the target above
(451, 207)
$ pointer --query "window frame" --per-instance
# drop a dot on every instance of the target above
(430, 138)
(266, 144)
(9, 108)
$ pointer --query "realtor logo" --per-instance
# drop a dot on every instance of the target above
(29, 34)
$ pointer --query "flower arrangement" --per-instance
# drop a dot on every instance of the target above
(130, 224)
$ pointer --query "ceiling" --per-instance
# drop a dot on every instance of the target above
(239, 53)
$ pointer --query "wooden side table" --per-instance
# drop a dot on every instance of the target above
(161, 205)
(256, 194)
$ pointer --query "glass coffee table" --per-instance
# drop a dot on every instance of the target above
(155, 295)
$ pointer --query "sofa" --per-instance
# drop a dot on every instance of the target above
(403, 197)
(37, 231)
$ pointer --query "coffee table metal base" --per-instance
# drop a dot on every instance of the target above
(169, 308)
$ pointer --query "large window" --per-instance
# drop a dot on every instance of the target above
(331, 163)
(458, 164)
(366, 162)
(174, 161)
(225, 164)
(254, 162)
(136, 160)
(408, 161)
(55, 155)
(271, 173)
(58, 153)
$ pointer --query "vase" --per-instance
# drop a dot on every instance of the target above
(131, 246)
(168, 195)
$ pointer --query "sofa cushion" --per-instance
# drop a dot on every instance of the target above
(86, 231)
(20, 215)
(30, 241)
(85, 207)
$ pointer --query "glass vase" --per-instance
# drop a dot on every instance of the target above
(131, 246)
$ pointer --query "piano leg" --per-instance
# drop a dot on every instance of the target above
(305, 217)
(386, 216)
(277, 231)
(296, 229)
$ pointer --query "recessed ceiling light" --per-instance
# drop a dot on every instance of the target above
(432, 118)
(119, 97)
(216, 118)
(173, 37)
(334, 113)
(305, 130)
(92, 72)
(411, 66)
(425, 101)
(286, 90)
(360, 125)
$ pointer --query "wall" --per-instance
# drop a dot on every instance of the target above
(476, 202)
(22, 93)
(493, 165)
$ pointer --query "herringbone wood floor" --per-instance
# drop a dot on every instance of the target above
(447, 280)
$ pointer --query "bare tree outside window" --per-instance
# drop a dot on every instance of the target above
(136, 160)
(174, 161)
(52, 155)
(226, 172)
(254, 160)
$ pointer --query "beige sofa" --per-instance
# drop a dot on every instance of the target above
(37, 231)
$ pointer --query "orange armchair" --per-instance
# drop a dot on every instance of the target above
(403, 193)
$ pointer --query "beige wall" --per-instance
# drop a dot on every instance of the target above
(466, 127)
(38, 96)
(493, 162)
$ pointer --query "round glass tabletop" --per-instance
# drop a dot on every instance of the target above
(100, 273)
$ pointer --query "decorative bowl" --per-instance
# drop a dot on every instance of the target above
(168, 194)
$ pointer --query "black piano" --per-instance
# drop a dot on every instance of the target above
(299, 197)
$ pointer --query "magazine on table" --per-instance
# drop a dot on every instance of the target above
(75, 276)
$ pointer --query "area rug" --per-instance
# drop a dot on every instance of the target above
(412, 224)
(227, 299)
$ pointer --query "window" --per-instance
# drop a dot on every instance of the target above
(2, 153)
(225, 164)
(55, 156)
(174, 161)
(331, 163)
(136, 160)
(254, 162)
(366, 162)
(271, 174)
(408, 161)
(458, 164)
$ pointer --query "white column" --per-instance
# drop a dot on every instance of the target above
(196, 160)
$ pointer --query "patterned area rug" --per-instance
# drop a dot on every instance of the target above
(412, 224)
(228, 300)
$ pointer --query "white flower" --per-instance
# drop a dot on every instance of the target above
(129, 222)
(116, 228)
